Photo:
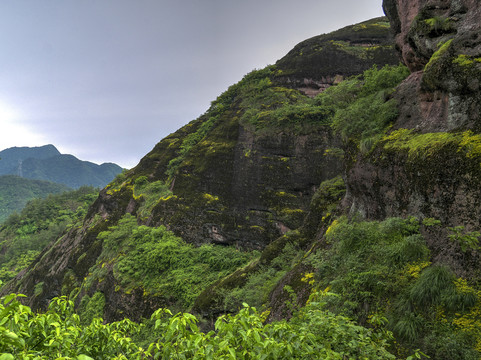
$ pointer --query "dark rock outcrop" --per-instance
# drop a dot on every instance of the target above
(439, 41)
(428, 165)
(325, 60)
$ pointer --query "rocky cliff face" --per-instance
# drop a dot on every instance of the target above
(439, 41)
(428, 164)
(325, 60)
(242, 174)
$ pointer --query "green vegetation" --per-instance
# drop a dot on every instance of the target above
(312, 333)
(422, 146)
(24, 235)
(468, 66)
(161, 263)
(443, 48)
(262, 104)
(91, 307)
(249, 89)
(270, 106)
(384, 270)
(150, 192)
(15, 192)
(258, 284)
(297, 115)
(439, 24)
(419, 145)
(467, 240)
(426, 25)
(46, 163)
(359, 51)
(190, 141)
(358, 107)
(361, 107)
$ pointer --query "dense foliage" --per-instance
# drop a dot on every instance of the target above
(384, 270)
(15, 192)
(358, 108)
(312, 333)
(161, 263)
(24, 235)
(361, 107)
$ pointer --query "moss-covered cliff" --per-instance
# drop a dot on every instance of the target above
(365, 193)
(324, 60)
(424, 169)
(241, 175)
(428, 165)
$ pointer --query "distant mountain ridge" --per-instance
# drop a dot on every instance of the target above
(47, 163)
(11, 157)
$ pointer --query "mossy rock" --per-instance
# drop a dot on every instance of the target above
(324, 206)
(344, 52)
(426, 175)
(291, 293)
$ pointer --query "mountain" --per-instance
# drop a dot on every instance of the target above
(324, 60)
(238, 177)
(15, 192)
(427, 165)
(47, 163)
(12, 157)
(336, 178)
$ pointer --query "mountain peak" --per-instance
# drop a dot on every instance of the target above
(47, 163)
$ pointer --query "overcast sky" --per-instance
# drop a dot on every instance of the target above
(105, 80)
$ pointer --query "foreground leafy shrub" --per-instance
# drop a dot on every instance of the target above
(57, 333)
(313, 333)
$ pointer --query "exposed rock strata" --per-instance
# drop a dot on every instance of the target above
(436, 174)
(322, 61)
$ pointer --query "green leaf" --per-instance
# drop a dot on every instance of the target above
(80, 357)
(232, 353)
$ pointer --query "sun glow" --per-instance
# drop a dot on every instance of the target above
(13, 132)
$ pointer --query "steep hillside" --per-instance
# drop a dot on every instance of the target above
(406, 252)
(233, 181)
(363, 197)
(325, 60)
(428, 164)
(47, 163)
(15, 192)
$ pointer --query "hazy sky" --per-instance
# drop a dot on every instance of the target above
(105, 80)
